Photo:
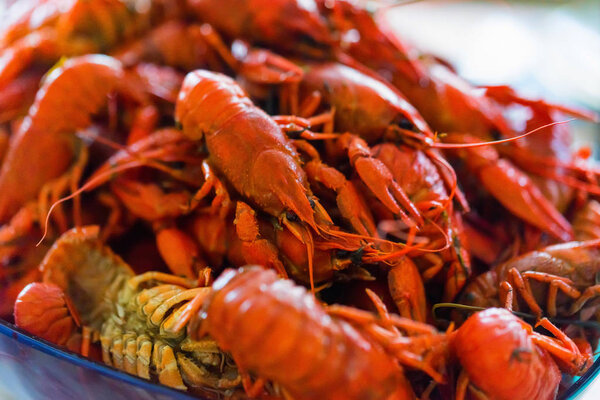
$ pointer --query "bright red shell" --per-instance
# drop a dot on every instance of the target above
(497, 352)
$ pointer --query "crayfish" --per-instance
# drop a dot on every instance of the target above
(272, 199)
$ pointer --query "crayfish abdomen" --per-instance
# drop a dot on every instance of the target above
(181, 364)
(311, 354)
(139, 337)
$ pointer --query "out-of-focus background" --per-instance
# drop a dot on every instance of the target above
(544, 48)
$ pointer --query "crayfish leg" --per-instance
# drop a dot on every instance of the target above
(303, 234)
(461, 385)
(163, 359)
(351, 204)
(256, 250)
(407, 290)
(379, 179)
(563, 348)
(588, 294)
(179, 251)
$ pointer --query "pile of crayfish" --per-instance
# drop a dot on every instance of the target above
(283, 199)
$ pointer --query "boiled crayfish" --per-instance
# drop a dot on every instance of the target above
(228, 197)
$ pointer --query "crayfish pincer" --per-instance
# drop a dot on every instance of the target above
(251, 152)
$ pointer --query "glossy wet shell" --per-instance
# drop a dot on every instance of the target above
(244, 143)
(578, 261)
(278, 331)
(70, 94)
(500, 358)
(282, 23)
(88, 271)
(364, 105)
(41, 309)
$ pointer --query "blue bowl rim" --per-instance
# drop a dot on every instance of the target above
(583, 382)
(10, 330)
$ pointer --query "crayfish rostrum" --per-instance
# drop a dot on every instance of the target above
(271, 198)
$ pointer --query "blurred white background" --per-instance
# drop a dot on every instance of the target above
(545, 48)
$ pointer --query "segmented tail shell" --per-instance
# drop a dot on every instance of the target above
(88, 271)
(278, 331)
(41, 309)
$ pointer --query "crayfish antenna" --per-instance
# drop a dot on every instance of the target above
(138, 151)
(449, 176)
(310, 249)
(106, 172)
(439, 145)
(354, 241)
(90, 185)
(410, 245)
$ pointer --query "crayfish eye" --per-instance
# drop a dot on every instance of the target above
(342, 254)
(179, 165)
(496, 134)
(311, 201)
(354, 256)
(12, 260)
(405, 123)
(290, 216)
(295, 133)
(469, 297)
